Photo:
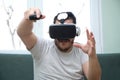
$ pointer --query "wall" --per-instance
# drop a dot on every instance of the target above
(111, 25)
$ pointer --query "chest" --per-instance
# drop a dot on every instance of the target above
(53, 62)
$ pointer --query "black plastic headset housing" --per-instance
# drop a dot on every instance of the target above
(62, 31)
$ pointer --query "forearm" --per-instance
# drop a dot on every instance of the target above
(25, 27)
(94, 68)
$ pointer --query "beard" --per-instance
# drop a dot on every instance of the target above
(66, 42)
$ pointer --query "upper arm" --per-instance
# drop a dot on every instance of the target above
(29, 40)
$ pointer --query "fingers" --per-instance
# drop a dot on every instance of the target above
(37, 12)
(90, 37)
(33, 11)
(87, 33)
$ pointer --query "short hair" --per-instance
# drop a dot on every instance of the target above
(70, 16)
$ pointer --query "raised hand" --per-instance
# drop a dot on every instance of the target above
(89, 47)
(33, 14)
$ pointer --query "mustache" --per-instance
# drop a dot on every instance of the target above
(63, 40)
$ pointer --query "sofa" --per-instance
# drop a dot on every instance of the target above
(16, 67)
(20, 66)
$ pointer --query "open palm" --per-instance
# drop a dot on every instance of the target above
(89, 47)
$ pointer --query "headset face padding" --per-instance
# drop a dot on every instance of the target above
(63, 31)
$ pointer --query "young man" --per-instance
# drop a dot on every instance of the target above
(59, 59)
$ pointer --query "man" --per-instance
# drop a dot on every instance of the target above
(59, 59)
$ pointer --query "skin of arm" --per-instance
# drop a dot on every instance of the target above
(91, 69)
(25, 27)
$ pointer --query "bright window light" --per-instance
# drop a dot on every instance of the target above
(12, 12)
(81, 9)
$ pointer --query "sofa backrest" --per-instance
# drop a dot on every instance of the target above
(110, 64)
(20, 66)
(16, 67)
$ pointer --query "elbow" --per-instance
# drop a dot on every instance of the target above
(19, 33)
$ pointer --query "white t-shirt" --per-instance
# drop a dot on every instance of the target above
(51, 64)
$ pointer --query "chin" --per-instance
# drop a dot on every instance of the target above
(65, 49)
(64, 46)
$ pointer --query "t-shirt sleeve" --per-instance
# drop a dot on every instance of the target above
(38, 50)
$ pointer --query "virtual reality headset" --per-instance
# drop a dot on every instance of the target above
(63, 31)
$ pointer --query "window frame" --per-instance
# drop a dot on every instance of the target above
(95, 20)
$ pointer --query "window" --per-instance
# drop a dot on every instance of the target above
(9, 22)
(11, 13)
(81, 9)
